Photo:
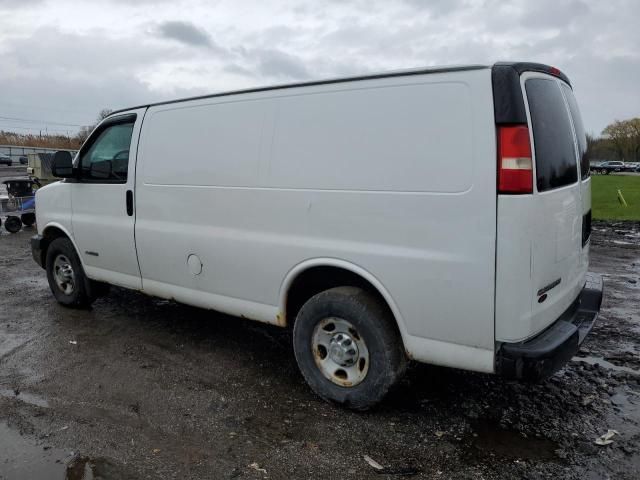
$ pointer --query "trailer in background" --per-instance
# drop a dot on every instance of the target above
(39, 168)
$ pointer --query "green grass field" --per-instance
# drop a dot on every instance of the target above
(604, 197)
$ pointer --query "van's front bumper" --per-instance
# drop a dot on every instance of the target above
(542, 355)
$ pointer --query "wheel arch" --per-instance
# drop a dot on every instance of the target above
(306, 279)
(52, 231)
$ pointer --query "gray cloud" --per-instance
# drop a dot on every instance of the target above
(135, 60)
(185, 32)
(11, 4)
(53, 51)
(280, 65)
(437, 8)
(552, 14)
(71, 77)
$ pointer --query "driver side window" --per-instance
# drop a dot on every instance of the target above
(107, 159)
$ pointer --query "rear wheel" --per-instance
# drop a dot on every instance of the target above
(66, 277)
(347, 347)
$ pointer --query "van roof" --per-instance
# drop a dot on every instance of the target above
(372, 76)
(519, 67)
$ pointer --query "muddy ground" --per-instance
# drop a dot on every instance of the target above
(144, 388)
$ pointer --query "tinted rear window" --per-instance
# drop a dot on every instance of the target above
(579, 129)
(552, 135)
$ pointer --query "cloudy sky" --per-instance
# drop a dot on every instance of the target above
(62, 61)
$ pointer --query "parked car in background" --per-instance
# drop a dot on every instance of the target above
(605, 168)
(4, 160)
(23, 160)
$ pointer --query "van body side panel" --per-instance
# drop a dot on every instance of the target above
(394, 175)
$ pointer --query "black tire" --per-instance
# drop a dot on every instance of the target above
(80, 294)
(12, 224)
(28, 218)
(374, 324)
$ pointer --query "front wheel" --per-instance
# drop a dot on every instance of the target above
(348, 348)
(66, 277)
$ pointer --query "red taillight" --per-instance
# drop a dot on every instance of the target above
(515, 167)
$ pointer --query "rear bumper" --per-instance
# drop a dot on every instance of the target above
(36, 249)
(544, 354)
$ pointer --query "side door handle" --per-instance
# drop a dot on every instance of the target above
(129, 202)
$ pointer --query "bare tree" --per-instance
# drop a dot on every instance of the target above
(85, 131)
(104, 113)
(625, 137)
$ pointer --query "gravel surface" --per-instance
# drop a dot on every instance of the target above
(139, 387)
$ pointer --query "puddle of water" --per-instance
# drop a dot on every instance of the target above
(490, 439)
(627, 404)
(84, 468)
(20, 458)
(25, 397)
(604, 364)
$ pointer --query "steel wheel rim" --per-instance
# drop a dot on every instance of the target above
(340, 352)
(63, 274)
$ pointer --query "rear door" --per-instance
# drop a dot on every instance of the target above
(542, 246)
(558, 262)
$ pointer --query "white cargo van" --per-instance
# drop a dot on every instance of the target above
(437, 215)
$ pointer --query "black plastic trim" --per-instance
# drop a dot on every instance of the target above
(508, 100)
(403, 73)
(541, 356)
(522, 67)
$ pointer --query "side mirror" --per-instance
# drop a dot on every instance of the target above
(62, 165)
(101, 170)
